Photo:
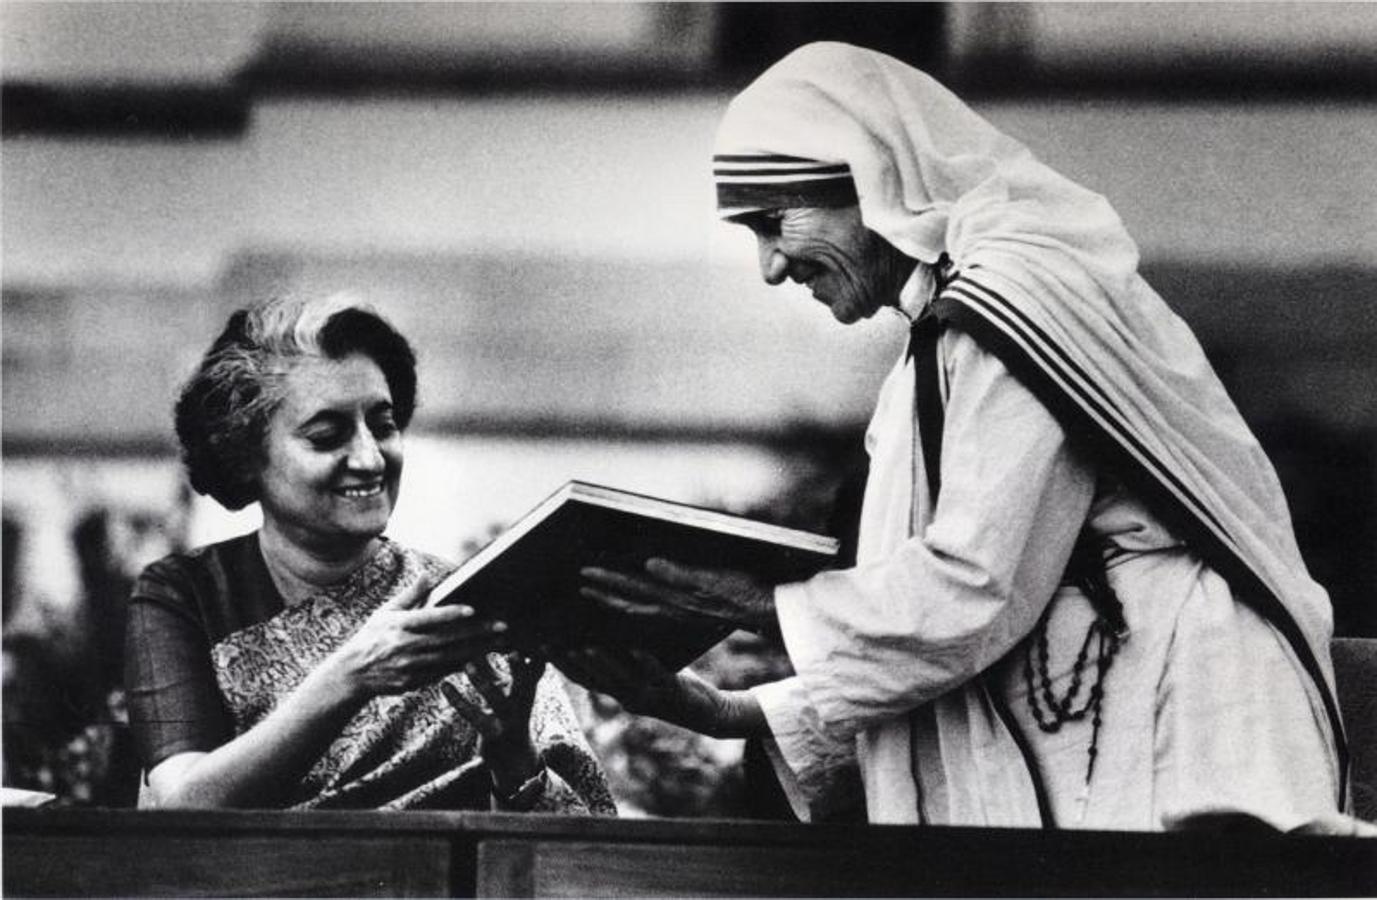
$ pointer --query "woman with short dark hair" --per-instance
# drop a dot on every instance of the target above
(223, 413)
(297, 666)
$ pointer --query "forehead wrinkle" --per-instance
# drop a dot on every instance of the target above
(313, 384)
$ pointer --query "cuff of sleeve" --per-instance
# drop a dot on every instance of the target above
(525, 797)
(817, 773)
(808, 643)
(790, 600)
(811, 644)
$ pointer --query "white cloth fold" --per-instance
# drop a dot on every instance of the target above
(1050, 283)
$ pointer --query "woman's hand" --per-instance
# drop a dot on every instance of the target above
(643, 686)
(684, 594)
(402, 646)
(499, 708)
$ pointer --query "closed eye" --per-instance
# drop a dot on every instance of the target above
(326, 436)
(765, 223)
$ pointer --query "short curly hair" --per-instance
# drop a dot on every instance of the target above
(223, 411)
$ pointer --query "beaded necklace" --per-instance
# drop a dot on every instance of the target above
(1108, 631)
(1085, 568)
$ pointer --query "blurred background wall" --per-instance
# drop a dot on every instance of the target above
(525, 189)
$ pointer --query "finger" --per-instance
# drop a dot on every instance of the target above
(526, 668)
(474, 647)
(637, 608)
(472, 713)
(615, 602)
(471, 638)
(478, 632)
(426, 666)
(719, 591)
(482, 668)
(459, 629)
(463, 697)
(434, 617)
(681, 576)
(453, 695)
(629, 585)
(518, 665)
(696, 595)
(486, 681)
(412, 596)
(687, 610)
(526, 674)
(444, 656)
(458, 645)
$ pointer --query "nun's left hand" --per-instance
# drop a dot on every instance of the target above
(682, 593)
(643, 686)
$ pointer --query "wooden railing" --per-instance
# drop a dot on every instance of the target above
(88, 852)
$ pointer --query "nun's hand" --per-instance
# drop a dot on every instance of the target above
(643, 686)
(679, 593)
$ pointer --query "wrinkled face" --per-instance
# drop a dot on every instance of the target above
(333, 454)
(848, 267)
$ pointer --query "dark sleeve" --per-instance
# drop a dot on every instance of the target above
(174, 702)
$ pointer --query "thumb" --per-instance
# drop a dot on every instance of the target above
(526, 674)
(413, 596)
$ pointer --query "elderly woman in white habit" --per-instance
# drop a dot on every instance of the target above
(1078, 600)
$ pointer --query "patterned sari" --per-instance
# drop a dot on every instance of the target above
(399, 752)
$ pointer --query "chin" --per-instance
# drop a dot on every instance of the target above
(849, 309)
(361, 537)
(366, 526)
(847, 315)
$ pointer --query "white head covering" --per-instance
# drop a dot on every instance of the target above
(914, 149)
(1049, 282)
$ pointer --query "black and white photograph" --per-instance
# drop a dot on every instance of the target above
(753, 449)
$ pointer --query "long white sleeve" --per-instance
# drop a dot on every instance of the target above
(876, 641)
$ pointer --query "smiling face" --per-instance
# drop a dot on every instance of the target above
(333, 455)
(848, 267)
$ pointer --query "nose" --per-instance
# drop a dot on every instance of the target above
(364, 454)
(774, 265)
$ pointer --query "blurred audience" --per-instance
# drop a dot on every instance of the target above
(66, 730)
